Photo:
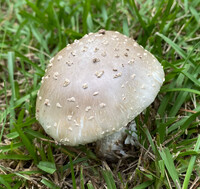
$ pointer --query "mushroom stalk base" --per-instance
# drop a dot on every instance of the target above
(111, 147)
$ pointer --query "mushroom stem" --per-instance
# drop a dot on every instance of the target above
(111, 147)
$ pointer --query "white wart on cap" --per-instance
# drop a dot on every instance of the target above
(96, 86)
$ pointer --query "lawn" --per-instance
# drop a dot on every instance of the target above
(31, 32)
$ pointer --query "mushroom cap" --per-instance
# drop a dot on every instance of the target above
(96, 86)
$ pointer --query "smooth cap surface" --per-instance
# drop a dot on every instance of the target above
(96, 86)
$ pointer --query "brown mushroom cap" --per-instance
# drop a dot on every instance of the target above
(96, 86)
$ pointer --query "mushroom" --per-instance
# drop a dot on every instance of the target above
(95, 87)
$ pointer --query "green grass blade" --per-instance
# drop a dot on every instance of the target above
(10, 147)
(35, 66)
(150, 139)
(27, 143)
(48, 167)
(109, 179)
(190, 120)
(17, 103)
(191, 165)
(182, 89)
(49, 184)
(11, 72)
(50, 154)
(12, 83)
(39, 15)
(166, 14)
(191, 77)
(86, 9)
(15, 157)
(17, 185)
(5, 113)
(58, 26)
(176, 125)
(169, 163)
(173, 45)
(186, 5)
(5, 183)
(143, 24)
(161, 165)
(68, 165)
(178, 103)
(90, 24)
(90, 186)
(72, 173)
(189, 153)
(195, 13)
(12, 135)
(144, 185)
(82, 179)
(125, 27)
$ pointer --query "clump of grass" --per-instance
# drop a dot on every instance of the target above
(33, 31)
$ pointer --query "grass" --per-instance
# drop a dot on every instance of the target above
(169, 130)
